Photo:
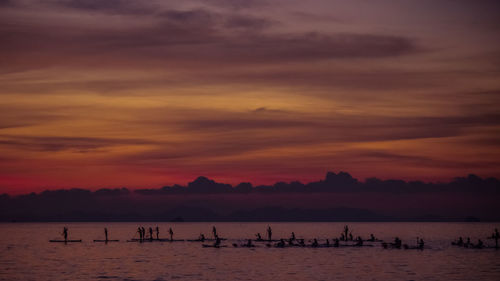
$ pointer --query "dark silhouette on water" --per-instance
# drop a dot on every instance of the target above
(479, 244)
(65, 234)
(280, 244)
(150, 234)
(293, 236)
(248, 244)
(459, 242)
(214, 232)
(315, 243)
(217, 242)
(269, 233)
(359, 241)
(259, 238)
(106, 238)
(496, 236)
(421, 244)
(397, 244)
(373, 239)
(157, 233)
(171, 232)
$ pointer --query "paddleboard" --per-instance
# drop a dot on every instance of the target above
(65, 241)
(106, 240)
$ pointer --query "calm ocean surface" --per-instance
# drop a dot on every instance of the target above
(26, 254)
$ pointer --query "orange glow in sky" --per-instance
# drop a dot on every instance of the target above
(148, 93)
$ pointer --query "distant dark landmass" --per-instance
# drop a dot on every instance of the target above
(339, 197)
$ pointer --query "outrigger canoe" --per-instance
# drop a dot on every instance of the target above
(206, 239)
(265, 240)
(213, 246)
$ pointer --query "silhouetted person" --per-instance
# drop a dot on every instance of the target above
(106, 234)
(496, 236)
(139, 230)
(346, 231)
(65, 234)
(202, 237)
(350, 236)
(327, 243)
(258, 236)
(359, 241)
(157, 233)
(281, 243)
(336, 242)
(143, 230)
(468, 242)
(290, 242)
(214, 231)
(397, 242)
(372, 238)
(150, 234)
(293, 235)
(421, 244)
(460, 241)
(315, 243)
(171, 232)
(480, 244)
(342, 237)
(269, 233)
(249, 243)
(217, 241)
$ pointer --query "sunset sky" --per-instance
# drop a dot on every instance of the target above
(117, 93)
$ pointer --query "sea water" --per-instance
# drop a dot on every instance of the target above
(26, 254)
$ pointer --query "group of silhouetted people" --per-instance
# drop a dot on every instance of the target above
(142, 234)
(346, 235)
(468, 244)
(480, 244)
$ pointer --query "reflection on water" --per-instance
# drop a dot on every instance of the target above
(26, 254)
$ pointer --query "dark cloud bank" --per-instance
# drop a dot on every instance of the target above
(339, 197)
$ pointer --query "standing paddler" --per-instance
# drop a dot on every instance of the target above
(496, 236)
(106, 234)
(65, 234)
(140, 233)
(171, 232)
(214, 231)
(269, 233)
